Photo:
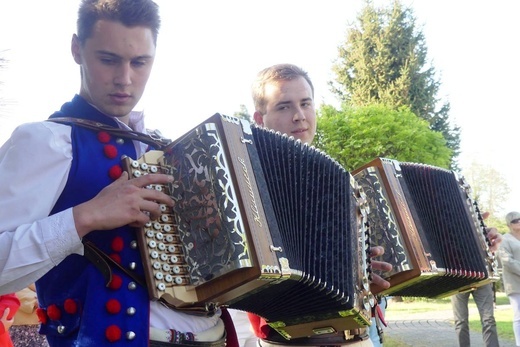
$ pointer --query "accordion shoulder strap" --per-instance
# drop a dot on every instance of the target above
(154, 139)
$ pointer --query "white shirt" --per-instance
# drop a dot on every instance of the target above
(34, 166)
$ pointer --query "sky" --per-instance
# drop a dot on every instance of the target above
(210, 51)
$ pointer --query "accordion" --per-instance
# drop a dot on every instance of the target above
(431, 229)
(262, 223)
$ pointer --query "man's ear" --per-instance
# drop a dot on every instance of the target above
(259, 118)
(75, 48)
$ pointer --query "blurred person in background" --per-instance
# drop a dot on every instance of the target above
(509, 254)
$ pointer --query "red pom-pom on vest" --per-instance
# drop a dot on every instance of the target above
(113, 306)
(42, 315)
(53, 312)
(70, 306)
(116, 282)
(110, 151)
(115, 172)
(113, 333)
(117, 244)
(103, 137)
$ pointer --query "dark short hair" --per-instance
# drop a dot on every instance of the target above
(130, 13)
(279, 72)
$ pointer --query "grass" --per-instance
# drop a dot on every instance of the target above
(403, 310)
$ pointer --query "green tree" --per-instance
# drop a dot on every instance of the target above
(384, 60)
(243, 114)
(490, 190)
(356, 135)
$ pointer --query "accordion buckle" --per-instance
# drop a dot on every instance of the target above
(325, 330)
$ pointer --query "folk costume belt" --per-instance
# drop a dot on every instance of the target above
(213, 337)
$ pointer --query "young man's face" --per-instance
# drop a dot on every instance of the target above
(115, 62)
(290, 109)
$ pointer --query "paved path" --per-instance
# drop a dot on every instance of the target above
(431, 329)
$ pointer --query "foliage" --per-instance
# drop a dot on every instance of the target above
(383, 60)
(490, 190)
(243, 114)
(356, 135)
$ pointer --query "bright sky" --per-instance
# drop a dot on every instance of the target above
(209, 52)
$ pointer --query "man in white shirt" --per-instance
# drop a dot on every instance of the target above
(63, 184)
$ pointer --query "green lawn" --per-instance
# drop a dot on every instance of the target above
(402, 310)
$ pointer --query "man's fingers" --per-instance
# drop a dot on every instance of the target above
(146, 180)
(379, 281)
(381, 265)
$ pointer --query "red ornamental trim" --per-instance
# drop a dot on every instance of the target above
(103, 137)
(110, 151)
(70, 306)
(113, 306)
(117, 244)
(116, 282)
(53, 312)
(42, 315)
(115, 172)
(113, 333)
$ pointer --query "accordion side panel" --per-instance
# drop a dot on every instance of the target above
(213, 246)
(391, 223)
(314, 201)
(437, 224)
(268, 259)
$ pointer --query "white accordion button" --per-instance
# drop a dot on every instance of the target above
(153, 169)
(161, 286)
(164, 217)
(159, 275)
(174, 259)
(152, 244)
(166, 268)
(137, 173)
(178, 280)
(154, 254)
(176, 270)
(171, 248)
(157, 226)
(168, 278)
(159, 236)
(135, 164)
(164, 257)
(161, 246)
(167, 229)
(156, 265)
(144, 166)
(149, 233)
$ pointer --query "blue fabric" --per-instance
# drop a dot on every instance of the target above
(76, 279)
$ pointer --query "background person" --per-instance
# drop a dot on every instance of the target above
(509, 254)
(283, 96)
(484, 298)
(25, 329)
(9, 304)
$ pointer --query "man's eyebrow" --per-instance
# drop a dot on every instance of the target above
(113, 55)
(281, 103)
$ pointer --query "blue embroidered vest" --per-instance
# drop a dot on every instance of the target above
(78, 308)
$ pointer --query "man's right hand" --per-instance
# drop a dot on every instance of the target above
(122, 202)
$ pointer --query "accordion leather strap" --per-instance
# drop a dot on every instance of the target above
(104, 264)
(154, 139)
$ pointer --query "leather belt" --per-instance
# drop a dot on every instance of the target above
(214, 337)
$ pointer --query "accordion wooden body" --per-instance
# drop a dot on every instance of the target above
(431, 229)
(261, 223)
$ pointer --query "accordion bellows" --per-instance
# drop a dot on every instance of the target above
(430, 227)
(261, 223)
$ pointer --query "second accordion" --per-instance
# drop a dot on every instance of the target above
(261, 223)
(430, 227)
